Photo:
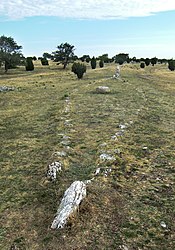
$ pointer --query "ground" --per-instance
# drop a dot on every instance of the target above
(131, 203)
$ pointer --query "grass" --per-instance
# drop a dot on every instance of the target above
(127, 208)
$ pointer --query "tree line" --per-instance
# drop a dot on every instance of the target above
(11, 56)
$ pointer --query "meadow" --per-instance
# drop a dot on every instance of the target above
(131, 203)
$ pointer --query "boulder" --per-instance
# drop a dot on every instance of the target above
(102, 89)
(69, 204)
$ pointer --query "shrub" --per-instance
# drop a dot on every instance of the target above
(29, 64)
(171, 65)
(101, 64)
(44, 61)
(142, 65)
(79, 69)
(93, 63)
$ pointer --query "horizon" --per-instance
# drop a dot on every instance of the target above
(100, 27)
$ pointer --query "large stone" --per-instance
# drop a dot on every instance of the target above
(69, 204)
(53, 169)
(102, 89)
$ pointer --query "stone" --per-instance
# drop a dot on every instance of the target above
(52, 170)
(117, 72)
(103, 90)
(6, 88)
(69, 204)
(107, 157)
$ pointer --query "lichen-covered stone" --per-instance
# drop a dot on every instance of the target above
(69, 204)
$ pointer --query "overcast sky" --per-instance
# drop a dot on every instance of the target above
(142, 28)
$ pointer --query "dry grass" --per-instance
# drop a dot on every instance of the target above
(127, 207)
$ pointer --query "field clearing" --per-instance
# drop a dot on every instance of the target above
(133, 207)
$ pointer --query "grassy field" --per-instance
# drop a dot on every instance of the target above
(131, 204)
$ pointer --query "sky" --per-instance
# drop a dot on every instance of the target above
(141, 28)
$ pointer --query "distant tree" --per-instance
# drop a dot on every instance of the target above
(147, 61)
(121, 58)
(104, 58)
(44, 61)
(133, 59)
(64, 54)
(10, 52)
(29, 64)
(85, 58)
(34, 58)
(142, 65)
(79, 69)
(48, 56)
(88, 59)
(162, 60)
(171, 65)
(93, 63)
(101, 63)
(154, 60)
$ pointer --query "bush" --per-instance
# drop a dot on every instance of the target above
(171, 65)
(101, 64)
(79, 69)
(44, 61)
(93, 63)
(29, 64)
(142, 65)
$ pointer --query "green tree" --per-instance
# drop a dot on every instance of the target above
(47, 56)
(171, 65)
(121, 58)
(147, 61)
(101, 63)
(142, 65)
(93, 63)
(44, 61)
(10, 52)
(79, 69)
(154, 60)
(85, 58)
(29, 64)
(64, 54)
(104, 58)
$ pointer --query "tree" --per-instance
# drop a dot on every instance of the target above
(44, 61)
(171, 65)
(64, 54)
(101, 63)
(10, 52)
(147, 61)
(142, 65)
(29, 64)
(93, 63)
(121, 58)
(154, 60)
(104, 58)
(47, 56)
(85, 58)
(79, 69)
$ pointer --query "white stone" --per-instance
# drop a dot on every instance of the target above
(97, 171)
(106, 157)
(102, 89)
(69, 204)
(163, 224)
(52, 170)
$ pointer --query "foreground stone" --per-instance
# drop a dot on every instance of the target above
(6, 88)
(69, 204)
(102, 89)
